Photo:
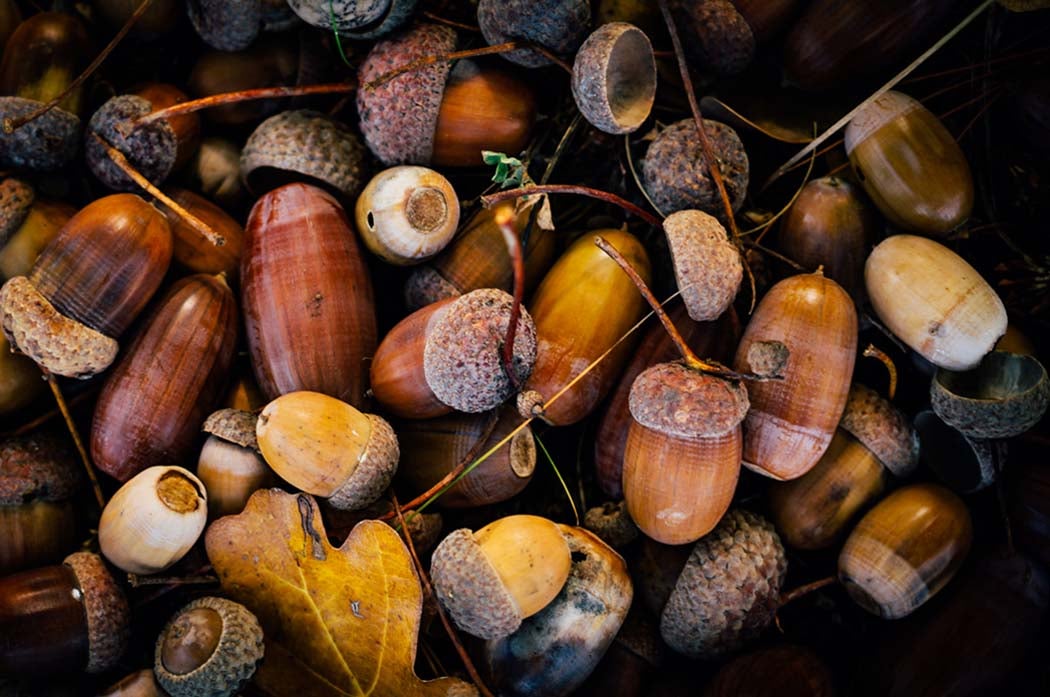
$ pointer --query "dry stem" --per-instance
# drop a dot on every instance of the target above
(505, 221)
(64, 408)
(499, 197)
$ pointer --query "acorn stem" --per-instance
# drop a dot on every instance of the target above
(438, 19)
(444, 57)
(500, 196)
(137, 580)
(505, 220)
(12, 125)
(808, 588)
(72, 427)
(872, 352)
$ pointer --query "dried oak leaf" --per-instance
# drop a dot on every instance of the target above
(337, 621)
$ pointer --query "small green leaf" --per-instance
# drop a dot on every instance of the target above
(509, 170)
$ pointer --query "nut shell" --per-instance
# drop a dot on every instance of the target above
(707, 265)
(108, 614)
(717, 37)
(233, 425)
(614, 78)
(45, 144)
(150, 148)
(374, 470)
(676, 400)
(882, 429)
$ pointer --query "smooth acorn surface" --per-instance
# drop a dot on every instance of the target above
(196, 253)
(43, 56)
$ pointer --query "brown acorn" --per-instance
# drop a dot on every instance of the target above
(194, 252)
(39, 225)
(716, 36)
(187, 127)
(141, 683)
(269, 62)
(230, 464)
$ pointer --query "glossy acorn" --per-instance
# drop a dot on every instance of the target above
(614, 78)
(192, 251)
(39, 223)
(230, 464)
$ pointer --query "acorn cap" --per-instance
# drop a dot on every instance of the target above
(358, 19)
(614, 78)
(306, 143)
(707, 265)
(226, 25)
(45, 144)
(470, 588)
(717, 37)
(375, 468)
(108, 615)
(233, 425)
(16, 198)
(238, 652)
(676, 400)
(612, 523)
(881, 429)
(57, 343)
(558, 25)
(675, 170)
(37, 467)
(398, 118)
(150, 148)
(462, 357)
(426, 286)
(729, 589)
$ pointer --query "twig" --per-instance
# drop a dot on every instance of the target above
(773, 253)
(137, 581)
(806, 590)
(551, 56)
(443, 58)
(873, 352)
(499, 197)
(505, 220)
(64, 408)
(44, 418)
(450, 22)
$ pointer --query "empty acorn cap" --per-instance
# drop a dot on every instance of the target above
(716, 35)
(108, 615)
(674, 399)
(881, 429)
(1004, 396)
(237, 651)
(375, 468)
(233, 425)
(614, 78)
(707, 265)
(57, 343)
(399, 117)
(306, 144)
(37, 467)
(475, 595)
(16, 198)
(462, 357)
(150, 148)
(45, 144)
(557, 25)
(226, 25)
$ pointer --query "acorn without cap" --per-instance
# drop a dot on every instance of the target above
(230, 464)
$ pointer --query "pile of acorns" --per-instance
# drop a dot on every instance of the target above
(387, 319)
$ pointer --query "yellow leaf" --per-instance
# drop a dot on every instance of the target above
(338, 622)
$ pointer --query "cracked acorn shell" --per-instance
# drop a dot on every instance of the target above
(614, 78)
(209, 647)
(326, 447)
(707, 266)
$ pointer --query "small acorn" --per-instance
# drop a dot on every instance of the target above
(151, 148)
(612, 524)
(492, 579)
(230, 464)
(717, 38)
(614, 78)
(707, 265)
(45, 144)
(40, 223)
(210, 647)
(557, 25)
(43, 56)
(16, 200)
(226, 25)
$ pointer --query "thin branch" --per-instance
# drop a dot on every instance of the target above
(137, 581)
(505, 220)
(499, 197)
(891, 368)
(443, 58)
(68, 417)
(806, 590)
(450, 22)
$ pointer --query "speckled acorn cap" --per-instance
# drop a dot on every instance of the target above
(303, 144)
(675, 170)
(729, 589)
(707, 265)
(425, 286)
(560, 26)
(768, 358)
(226, 25)
(234, 425)
(108, 614)
(16, 198)
(1004, 396)
(716, 36)
(614, 78)
(881, 429)
(679, 401)
(399, 117)
(375, 468)
(470, 588)
(150, 148)
(358, 19)
(45, 144)
(37, 467)
(231, 664)
(462, 357)
(57, 343)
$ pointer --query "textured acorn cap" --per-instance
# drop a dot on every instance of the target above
(37, 467)
(729, 589)
(375, 468)
(226, 25)
(675, 170)
(716, 35)
(45, 144)
(108, 615)
(238, 652)
(614, 78)
(768, 358)
(471, 590)
(557, 25)
(399, 117)
(679, 401)
(16, 198)
(426, 286)
(150, 148)
(306, 143)
(233, 425)
(57, 343)
(707, 265)
(881, 429)
(612, 523)
(462, 357)
(359, 19)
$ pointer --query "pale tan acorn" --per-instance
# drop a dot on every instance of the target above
(230, 464)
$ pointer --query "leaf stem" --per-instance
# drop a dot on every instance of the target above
(500, 196)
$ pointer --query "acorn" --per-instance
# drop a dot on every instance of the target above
(87, 286)
(150, 148)
(226, 25)
(230, 464)
(785, 670)
(209, 647)
(492, 579)
(728, 590)
(158, 19)
(303, 145)
(558, 25)
(43, 56)
(20, 383)
(614, 78)
(215, 171)
(187, 127)
(191, 250)
(707, 265)
(153, 520)
(555, 650)
(269, 62)
(872, 442)
(910, 165)
(357, 19)
(10, 18)
(716, 36)
(39, 478)
(439, 115)
(675, 170)
(328, 448)
(905, 550)
(934, 301)
(154, 401)
(792, 421)
(300, 252)
(612, 524)
(407, 214)
(40, 223)
(16, 200)
(449, 355)
(141, 683)
(59, 618)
